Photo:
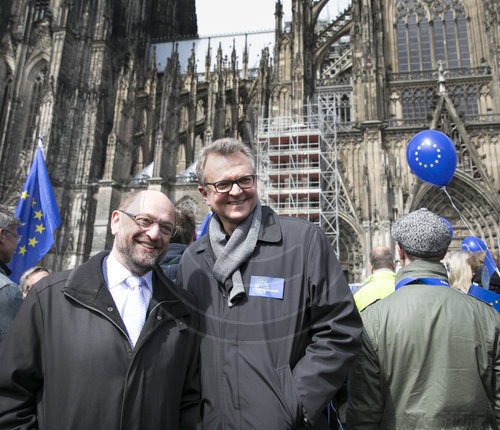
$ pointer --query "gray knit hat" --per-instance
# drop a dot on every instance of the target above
(422, 233)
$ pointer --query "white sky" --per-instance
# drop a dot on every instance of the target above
(239, 16)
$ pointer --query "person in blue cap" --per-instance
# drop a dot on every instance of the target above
(429, 355)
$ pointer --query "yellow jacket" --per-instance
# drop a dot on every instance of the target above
(377, 286)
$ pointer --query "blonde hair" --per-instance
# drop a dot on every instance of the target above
(459, 270)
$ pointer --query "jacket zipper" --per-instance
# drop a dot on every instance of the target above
(109, 319)
(98, 311)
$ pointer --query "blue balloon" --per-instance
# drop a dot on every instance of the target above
(432, 156)
(473, 244)
(449, 226)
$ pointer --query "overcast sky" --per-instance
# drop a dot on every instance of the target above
(239, 16)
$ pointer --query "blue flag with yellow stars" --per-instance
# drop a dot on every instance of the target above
(489, 267)
(37, 210)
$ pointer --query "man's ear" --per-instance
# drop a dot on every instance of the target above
(204, 193)
(401, 251)
(115, 222)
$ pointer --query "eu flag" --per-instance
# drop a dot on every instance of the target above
(202, 229)
(37, 210)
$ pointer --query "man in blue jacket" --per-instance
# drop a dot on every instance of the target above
(278, 322)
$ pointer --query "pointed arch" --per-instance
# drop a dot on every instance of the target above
(351, 245)
(187, 202)
(34, 85)
(476, 206)
(7, 67)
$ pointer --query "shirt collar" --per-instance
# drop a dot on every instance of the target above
(117, 273)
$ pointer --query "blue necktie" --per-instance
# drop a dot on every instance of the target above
(134, 313)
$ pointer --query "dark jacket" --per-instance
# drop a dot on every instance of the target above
(268, 363)
(67, 362)
(430, 360)
(11, 300)
(170, 262)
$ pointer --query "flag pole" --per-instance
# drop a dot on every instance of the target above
(40, 144)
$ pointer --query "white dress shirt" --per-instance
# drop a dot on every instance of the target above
(115, 275)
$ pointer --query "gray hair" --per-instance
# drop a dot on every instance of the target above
(224, 146)
(8, 218)
(23, 282)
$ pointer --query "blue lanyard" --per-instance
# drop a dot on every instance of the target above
(427, 281)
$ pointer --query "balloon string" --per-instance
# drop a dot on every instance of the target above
(458, 212)
(460, 215)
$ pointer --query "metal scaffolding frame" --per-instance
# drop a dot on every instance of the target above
(297, 166)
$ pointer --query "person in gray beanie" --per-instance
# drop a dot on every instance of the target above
(429, 353)
(422, 234)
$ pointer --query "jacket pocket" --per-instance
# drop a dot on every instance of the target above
(290, 396)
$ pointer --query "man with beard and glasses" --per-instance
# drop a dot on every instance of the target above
(109, 344)
(280, 328)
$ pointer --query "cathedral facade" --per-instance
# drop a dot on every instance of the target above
(117, 113)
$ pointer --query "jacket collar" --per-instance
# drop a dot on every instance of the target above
(86, 284)
(270, 229)
(3, 267)
(422, 269)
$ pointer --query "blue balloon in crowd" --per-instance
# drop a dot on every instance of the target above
(432, 156)
(449, 226)
(473, 244)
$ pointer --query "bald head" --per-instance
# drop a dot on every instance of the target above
(381, 258)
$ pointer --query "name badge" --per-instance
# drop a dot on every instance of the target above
(263, 286)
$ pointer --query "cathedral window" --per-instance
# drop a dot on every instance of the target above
(344, 108)
(41, 8)
(35, 100)
(465, 100)
(428, 32)
(418, 104)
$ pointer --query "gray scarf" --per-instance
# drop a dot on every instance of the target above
(232, 253)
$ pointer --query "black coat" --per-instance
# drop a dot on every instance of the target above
(67, 363)
(268, 363)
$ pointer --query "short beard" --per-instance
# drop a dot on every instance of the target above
(139, 265)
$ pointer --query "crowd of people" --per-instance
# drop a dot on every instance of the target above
(252, 326)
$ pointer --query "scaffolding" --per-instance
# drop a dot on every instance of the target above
(297, 166)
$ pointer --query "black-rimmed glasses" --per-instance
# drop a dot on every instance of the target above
(147, 223)
(226, 185)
